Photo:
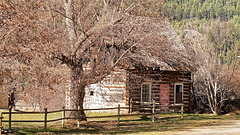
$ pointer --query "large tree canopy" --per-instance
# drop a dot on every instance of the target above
(102, 34)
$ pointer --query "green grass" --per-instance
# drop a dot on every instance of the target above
(165, 123)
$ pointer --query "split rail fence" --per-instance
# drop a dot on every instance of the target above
(143, 109)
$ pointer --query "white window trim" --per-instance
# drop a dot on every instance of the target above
(150, 90)
(175, 91)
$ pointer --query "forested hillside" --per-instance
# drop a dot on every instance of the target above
(200, 14)
(224, 10)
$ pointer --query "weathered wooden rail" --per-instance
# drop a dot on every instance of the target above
(152, 108)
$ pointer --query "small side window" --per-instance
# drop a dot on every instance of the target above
(146, 92)
(178, 93)
(91, 93)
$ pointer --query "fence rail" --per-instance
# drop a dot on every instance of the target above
(153, 107)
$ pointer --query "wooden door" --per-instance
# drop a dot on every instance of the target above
(164, 95)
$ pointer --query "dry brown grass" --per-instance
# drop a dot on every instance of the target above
(128, 125)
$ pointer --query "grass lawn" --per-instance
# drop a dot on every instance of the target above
(164, 124)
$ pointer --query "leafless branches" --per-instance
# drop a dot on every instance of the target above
(90, 37)
(213, 75)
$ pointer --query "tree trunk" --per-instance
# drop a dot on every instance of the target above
(78, 94)
(80, 99)
(215, 100)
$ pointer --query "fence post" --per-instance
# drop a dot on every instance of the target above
(10, 118)
(1, 123)
(131, 106)
(45, 119)
(153, 111)
(182, 111)
(78, 125)
(118, 120)
(63, 116)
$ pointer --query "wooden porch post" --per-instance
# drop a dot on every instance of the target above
(10, 118)
(118, 120)
(63, 116)
(78, 124)
(182, 111)
(45, 119)
(153, 111)
(131, 106)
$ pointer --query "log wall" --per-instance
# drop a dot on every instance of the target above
(156, 78)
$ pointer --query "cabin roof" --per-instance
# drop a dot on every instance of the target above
(152, 41)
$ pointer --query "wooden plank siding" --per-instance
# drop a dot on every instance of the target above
(110, 92)
(156, 78)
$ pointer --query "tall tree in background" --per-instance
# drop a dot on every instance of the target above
(101, 34)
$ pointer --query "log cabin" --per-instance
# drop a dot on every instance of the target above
(146, 84)
(161, 86)
(145, 77)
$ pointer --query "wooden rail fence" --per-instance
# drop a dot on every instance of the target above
(152, 108)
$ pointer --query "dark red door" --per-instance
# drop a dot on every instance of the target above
(164, 95)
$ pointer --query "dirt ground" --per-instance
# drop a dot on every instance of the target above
(228, 128)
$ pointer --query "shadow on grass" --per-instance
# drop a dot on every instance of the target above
(124, 128)
(201, 117)
(84, 129)
(146, 127)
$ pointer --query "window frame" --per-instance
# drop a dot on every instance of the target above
(175, 84)
(150, 90)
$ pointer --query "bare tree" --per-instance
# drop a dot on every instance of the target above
(212, 75)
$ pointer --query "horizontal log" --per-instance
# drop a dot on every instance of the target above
(135, 88)
(114, 87)
(171, 111)
(141, 107)
(154, 84)
(102, 116)
(23, 112)
(142, 102)
(156, 106)
(135, 98)
(55, 111)
(24, 121)
(155, 89)
(91, 109)
(124, 107)
(55, 120)
(122, 115)
(157, 103)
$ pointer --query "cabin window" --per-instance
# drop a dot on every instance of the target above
(146, 92)
(91, 93)
(178, 93)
